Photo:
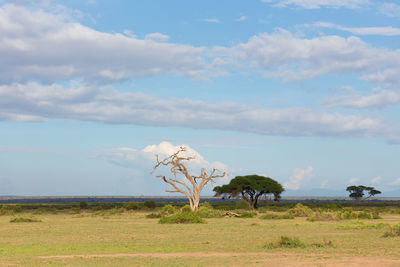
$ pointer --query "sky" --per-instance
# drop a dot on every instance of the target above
(306, 92)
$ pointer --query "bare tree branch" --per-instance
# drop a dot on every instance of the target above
(177, 163)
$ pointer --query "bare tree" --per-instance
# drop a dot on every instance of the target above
(194, 184)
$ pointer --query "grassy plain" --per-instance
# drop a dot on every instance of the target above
(131, 239)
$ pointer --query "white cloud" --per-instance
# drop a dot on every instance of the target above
(290, 58)
(42, 102)
(381, 99)
(377, 180)
(385, 31)
(38, 45)
(396, 182)
(157, 37)
(315, 4)
(211, 20)
(389, 9)
(299, 177)
(353, 180)
(144, 160)
(242, 18)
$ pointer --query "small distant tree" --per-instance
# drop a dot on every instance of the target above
(250, 188)
(357, 192)
(191, 185)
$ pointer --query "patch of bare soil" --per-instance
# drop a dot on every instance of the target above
(259, 258)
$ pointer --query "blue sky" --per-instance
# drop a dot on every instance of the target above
(304, 91)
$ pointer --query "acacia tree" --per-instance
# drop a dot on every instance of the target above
(250, 188)
(191, 185)
(357, 192)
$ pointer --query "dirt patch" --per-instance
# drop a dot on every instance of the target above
(259, 258)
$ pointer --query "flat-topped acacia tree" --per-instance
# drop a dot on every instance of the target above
(357, 192)
(250, 188)
(191, 185)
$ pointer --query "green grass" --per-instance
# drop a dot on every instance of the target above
(221, 241)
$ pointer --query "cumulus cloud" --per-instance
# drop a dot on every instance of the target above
(353, 180)
(242, 18)
(212, 20)
(157, 37)
(315, 4)
(396, 182)
(133, 158)
(288, 57)
(38, 45)
(42, 102)
(299, 177)
(380, 99)
(385, 31)
(145, 159)
(377, 180)
(389, 9)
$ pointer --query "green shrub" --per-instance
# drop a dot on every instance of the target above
(150, 204)
(274, 216)
(83, 205)
(300, 211)
(205, 212)
(186, 208)
(168, 210)
(131, 205)
(242, 205)
(349, 214)
(206, 204)
(294, 242)
(375, 215)
(10, 209)
(364, 215)
(23, 219)
(286, 242)
(183, 217)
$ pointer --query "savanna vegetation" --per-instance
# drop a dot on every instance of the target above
(217, 233)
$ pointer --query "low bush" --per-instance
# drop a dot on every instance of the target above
(294, 242)
(393, 231)
(286, 242)
(300, 211)
(206, 204)
(349, 215)
(131, 205)
(150, 204)
(168, 210)
(10, 209)
(322, 216)
(186, 208)
(23, 219)
(275, 216)
(205, 212)
(83, 205)
(183, 217)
